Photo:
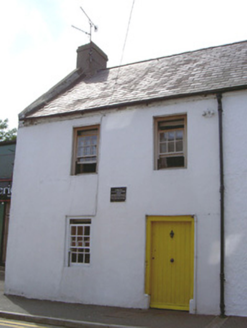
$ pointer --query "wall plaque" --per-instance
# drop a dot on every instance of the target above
(118, 194)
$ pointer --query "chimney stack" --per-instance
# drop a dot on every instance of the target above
(91, 58)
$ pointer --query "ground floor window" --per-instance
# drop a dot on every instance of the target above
(79, 241)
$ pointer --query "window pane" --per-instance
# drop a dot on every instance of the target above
(94, 140)
(86, 168)
(73, 241)
(79, 241)
(87, 231)
(179, 145)
(73, 230)
(171, 135)
(179, 134)
(170, 147)
(88, 141)
(79, 230)
(80, 258)
(73, 257)
(171, 124)
(175, 161)
(80, 152)
(87, 242)
(81, 141)
(163, 148)
(162, 137)
(162, 163)
(93, 150)
(87, 258)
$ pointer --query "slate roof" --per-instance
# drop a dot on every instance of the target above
(209, 70)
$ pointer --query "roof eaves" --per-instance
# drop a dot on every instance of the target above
(52, 93)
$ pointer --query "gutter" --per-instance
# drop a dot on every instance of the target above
(222, 209)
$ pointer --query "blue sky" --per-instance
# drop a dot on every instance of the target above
(38, 44)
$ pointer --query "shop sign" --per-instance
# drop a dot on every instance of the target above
(5, 190)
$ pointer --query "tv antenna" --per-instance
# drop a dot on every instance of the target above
(91, 24)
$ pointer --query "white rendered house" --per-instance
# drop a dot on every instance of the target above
(130, 185)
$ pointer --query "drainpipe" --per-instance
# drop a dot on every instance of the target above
(222, 214)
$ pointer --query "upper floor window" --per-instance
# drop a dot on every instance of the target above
(85, 150)
(170, 140)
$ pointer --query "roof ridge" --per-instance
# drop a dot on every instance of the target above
(174, 55)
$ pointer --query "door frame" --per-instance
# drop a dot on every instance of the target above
(170, 218)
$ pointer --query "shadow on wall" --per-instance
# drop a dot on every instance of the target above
(2, 274)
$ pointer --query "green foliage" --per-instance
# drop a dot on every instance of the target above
(5, 134)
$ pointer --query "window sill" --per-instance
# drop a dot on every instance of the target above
(171, 168)
(81, 174)
(78, 265)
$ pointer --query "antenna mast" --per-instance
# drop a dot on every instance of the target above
(91, 24)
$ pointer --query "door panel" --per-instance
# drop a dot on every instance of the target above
(170, 262)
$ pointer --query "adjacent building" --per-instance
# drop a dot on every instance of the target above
(7, 156)
(130, 185)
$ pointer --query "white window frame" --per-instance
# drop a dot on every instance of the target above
(85, 163)
(170, 121)
(79, 241)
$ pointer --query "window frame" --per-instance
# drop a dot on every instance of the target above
(157, 156)
(78, 222)
(75, 149)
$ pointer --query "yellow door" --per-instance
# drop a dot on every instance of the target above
(170, 261)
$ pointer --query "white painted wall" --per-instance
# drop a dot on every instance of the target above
(235, 138)
(44, 193)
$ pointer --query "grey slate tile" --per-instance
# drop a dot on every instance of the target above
(199, 71)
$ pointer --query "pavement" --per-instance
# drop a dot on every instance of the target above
(92, 316)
